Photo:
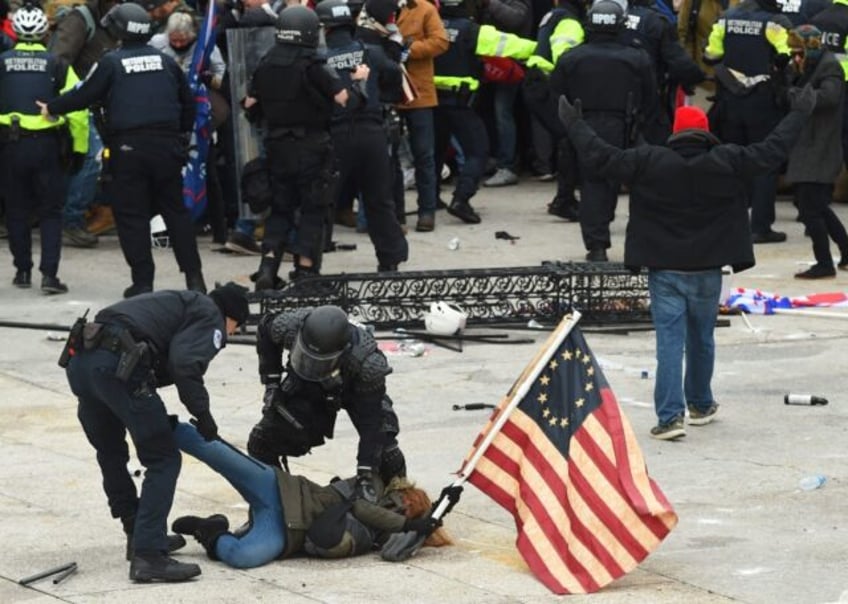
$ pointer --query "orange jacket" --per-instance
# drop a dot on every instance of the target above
(422, 29)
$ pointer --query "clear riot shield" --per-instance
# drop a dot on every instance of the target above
(246, 48)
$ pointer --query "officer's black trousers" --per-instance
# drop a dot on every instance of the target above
(745, 120)
(107, 410)
(146, 172)
(302, 184)
(467, 127)
(363, 163)
(34, 183)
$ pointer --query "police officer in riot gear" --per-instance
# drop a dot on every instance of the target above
(35, 152)
(149, 113)
(457, 77)
(615, 108)
(332, 364)
(297, 141)
(360, 141)
(748, 46)
(131, 348)
(672, 66)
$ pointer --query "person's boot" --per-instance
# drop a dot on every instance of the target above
(175, 542)
(266, 277)
(463, 210)
(205, 530)
(156, 566)
(564, 208)
(195, 282)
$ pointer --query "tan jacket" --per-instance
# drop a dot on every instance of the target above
(694, 40)
(422, 28)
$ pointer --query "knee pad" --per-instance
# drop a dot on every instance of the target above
(392, 463)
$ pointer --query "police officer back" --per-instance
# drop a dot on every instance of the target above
(149, 113)
(131, 348)
(35, 152)
(360, 140)
(297, 141)
(615, 108)
(647, 26)
(748, 45)
(833, 23)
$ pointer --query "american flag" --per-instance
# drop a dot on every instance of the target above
(560, 456)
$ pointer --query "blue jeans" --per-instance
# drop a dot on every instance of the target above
(505, 96)
(422, 139)
(684, 306)
(257, 483)
(82, 186)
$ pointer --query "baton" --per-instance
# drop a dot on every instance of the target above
(58, 569)
(66, 573)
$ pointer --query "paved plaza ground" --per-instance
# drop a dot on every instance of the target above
(747, 532)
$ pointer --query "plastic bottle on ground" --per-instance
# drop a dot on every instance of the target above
(812, 482)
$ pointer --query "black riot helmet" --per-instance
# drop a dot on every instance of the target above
(334, 13)
(323, 337)
(298, 26)
(128, 22)
(605, 16)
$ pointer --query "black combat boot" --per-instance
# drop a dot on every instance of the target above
(463, 210)
(175, 542)
(266, 277)
(205, 530)
(195, 282)
(156, 566)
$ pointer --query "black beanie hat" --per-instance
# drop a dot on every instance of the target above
(231, 299)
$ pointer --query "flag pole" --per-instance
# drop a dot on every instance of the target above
(516, 394)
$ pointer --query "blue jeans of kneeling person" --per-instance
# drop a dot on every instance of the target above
(256, 482)
(684, 306)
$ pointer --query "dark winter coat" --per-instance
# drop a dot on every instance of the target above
(817, 156)
(304, 500)
(688, 207)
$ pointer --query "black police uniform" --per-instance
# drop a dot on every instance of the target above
(613, 109)
(541, 102)
(183, 330)
(454, 115)
(298, 146)
(360, 141)
(149, 111)
(646, 26)
(833, 23)
(34, 161)
(747, 116)
(305, 414)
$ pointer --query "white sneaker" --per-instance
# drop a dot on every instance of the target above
(502, 178)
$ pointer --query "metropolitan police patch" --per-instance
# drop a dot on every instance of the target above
(217, 339)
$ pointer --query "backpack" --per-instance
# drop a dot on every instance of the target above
(56, 10)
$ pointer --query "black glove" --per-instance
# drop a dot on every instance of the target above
(206, 425)
(77, 162)
(272, 396)
(424, 525)
(393, 50)
(451, 493)
(781, 61)
(568, 113)
(802, 99)
(365, 488)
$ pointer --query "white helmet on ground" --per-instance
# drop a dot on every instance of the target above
(445, 319)
(30, 23)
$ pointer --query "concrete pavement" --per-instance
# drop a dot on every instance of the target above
(747, 532)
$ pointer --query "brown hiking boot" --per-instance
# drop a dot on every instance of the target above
(101, 221)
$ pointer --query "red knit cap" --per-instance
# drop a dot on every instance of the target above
(689, 117)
